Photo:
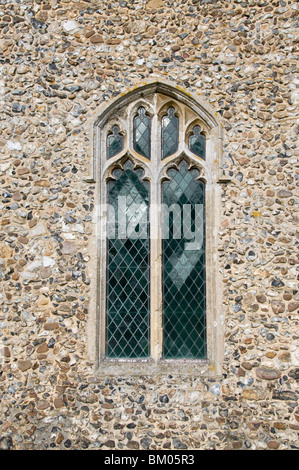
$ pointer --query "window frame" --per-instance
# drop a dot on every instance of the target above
(151, 96)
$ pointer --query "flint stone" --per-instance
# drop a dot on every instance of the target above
(250, 394)
(96, 39)
(293, 306)
(154, 4)
(51, 326)
(45, 273)
(284, 395)
(284, 193)
(164, 399)
(5, 352)
(69, 25)
(268, 374)
(13, 145)
(6, 443)
(90, 86)
(86, 396)
(58, 403)
(35, 265)
(110, 443)
(42, 405)
(24, 365)
(177, 444)
(294, 373)
(146, 442)
(69, 248)
(39, 25)
(39, 229)
(134, 445)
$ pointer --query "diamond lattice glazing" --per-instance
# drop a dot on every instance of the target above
(142, 133)
(184, 279)
(197, 143)
(115, 142)
(128, 282)
(170, 133)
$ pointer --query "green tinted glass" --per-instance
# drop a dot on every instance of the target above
(142, 133)
(170, 133)
(197, 143)
(115, 142)
(184, 277)
(128, 282)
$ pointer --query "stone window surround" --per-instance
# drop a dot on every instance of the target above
(156, 97)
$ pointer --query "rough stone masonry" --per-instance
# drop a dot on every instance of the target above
(59, 61)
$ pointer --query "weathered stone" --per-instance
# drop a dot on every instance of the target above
(6, 443)
(284, 193)
(294, 373)
(250, 394)
(42, 405)
(268, 374)
(43, 183)
(96, 39)
(277, 306)
(5, 352)
(284, 395)
(69, 26)
(58, 403)
(261, 298)
(273, 445)
(292, 306)
(134, 445)
(164, 398)
(17, 196)
(69, 248)
(154, 4)
(178, 444)
(146, 441)
(110, 444)
(45, 273)
(24, 365)
(89, 32)
(63, 64)
(86, 396)
(280, 426)
(42, 348)
(23, 240)
(247, 365)
(51, 326)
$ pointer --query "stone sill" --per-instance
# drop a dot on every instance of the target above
(149, 367)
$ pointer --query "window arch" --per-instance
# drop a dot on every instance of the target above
(157, 171)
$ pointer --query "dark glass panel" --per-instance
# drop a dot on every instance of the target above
(184, 276)
(197, 143)
(170, 133)
(142, 133)
(128, 281)
(115, 142)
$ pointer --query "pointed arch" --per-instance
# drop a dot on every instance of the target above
(155, 97)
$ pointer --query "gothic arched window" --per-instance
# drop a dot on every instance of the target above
(157, 165)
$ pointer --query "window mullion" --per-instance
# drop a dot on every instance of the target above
(156, 247)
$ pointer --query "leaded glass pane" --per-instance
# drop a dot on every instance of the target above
(142, 133)
(183, 261)
(170, 133)
(128, 282)
(115, 142)
(197, 143)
